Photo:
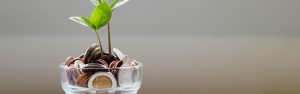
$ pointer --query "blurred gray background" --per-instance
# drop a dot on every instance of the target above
(187, 46)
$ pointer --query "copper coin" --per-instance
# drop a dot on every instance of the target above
(112, 67)
(101, 61)
(102, 82)
(105, 56)
(81, 57)
(113, 63)
(69, 60)
(72, 62)
(83, 79)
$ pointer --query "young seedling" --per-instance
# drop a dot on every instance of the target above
(100, 16)
(115, 4)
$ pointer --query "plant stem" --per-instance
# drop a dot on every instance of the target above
(97, 33)
(109, 41)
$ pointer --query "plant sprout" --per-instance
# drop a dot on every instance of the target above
(100, 17)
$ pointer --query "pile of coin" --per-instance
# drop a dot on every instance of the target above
(96, 69)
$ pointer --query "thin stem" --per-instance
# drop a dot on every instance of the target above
(109, 41)
(97, 33)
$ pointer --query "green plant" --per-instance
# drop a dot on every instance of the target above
(100, 17)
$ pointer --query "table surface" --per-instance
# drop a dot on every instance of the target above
(173, 64)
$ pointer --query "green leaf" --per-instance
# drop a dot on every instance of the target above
(118, 4)
(101, 1)
(101, 15)
(87, 21)
(95, 2)
(78, 20)
(114, 3)
(96, 17)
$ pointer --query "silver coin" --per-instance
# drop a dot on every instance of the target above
(89, 52)
(102, 80)
(125, 75)
(79, 64)
(118, 53)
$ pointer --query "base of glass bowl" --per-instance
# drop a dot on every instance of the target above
(70, 89)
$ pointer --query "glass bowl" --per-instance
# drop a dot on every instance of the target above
(119, 80)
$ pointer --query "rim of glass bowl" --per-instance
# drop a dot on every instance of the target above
(139, 65)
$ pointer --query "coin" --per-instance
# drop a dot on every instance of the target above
(106, 57)
(113, 67)
(72, 62)
(78, 64)
(81, 57)
(94, 67)
(83, 79)
(101, 61)
(125, 75)
(119, 54)
(95, 53)
(89, 52)
(102, 80)
(112, 64)
(69, 60)
(71, 74)
(109, 58)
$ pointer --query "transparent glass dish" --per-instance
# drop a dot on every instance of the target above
(120, 80)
